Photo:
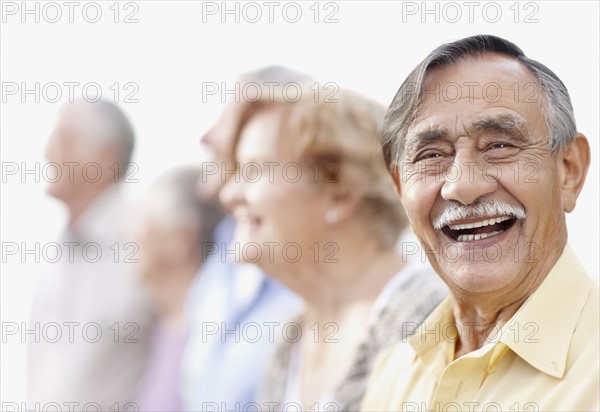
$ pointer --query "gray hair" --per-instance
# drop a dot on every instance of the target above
(182, 205)
(275, 74)
(556, 105)
(272, 81)
(108, 124)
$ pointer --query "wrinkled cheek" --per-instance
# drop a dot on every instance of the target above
(418, 197)
(419, 204)
(408, 181)
(413, 209)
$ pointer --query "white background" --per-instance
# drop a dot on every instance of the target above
(174, 48)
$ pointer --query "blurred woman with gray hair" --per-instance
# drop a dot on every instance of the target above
(313, 191)
(174, 231)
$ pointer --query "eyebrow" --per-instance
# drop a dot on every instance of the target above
(425, 137)
(509, 124)
(506, 123)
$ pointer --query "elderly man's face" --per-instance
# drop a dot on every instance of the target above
(72, 150)
(219, 140)
(483, 144)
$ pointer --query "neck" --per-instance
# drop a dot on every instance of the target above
(333, 291)
(481, 316)
(84, 199)
(339, 298)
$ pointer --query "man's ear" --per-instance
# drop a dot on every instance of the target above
(574, 163)
(108, 156)
(395, 172)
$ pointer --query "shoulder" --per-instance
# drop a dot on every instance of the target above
(393, 359)
(413, 299)
(386, 375)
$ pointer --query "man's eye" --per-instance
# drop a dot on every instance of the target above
(428, 155)
(500, 145)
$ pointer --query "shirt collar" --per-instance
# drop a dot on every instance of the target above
(546, 321)
(538, 334)
(437, 332)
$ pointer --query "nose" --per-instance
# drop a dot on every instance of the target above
(205, 137)
(466, 181)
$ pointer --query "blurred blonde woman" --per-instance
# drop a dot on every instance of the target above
(313, 197)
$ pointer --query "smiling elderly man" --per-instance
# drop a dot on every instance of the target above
(483, 148)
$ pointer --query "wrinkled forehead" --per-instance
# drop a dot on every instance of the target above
(492, 78)
(460, 95)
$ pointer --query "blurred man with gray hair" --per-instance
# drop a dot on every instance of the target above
(222, 368)
(482, 144)
(90, 295)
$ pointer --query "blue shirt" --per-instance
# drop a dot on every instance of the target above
(236, 314)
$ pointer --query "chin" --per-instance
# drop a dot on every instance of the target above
(247, 249)
(144, 275)
(480, 278)
(53, 190)
(58, 191)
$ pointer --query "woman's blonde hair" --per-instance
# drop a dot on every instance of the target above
(337, 133)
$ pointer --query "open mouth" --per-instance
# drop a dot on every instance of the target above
(247, 219)
(483, 229)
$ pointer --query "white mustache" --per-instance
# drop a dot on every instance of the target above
(483, 209)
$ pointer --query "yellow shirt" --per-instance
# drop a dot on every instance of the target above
(545, 358)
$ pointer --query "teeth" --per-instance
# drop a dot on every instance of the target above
(467, 238)
(487, 222)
